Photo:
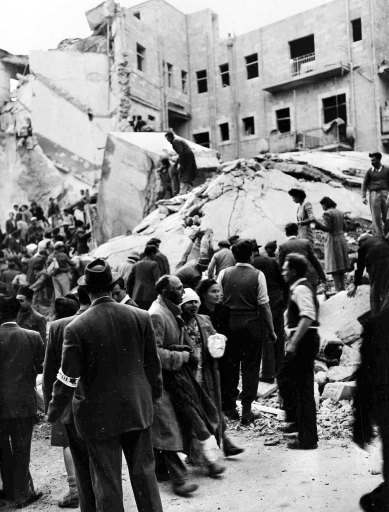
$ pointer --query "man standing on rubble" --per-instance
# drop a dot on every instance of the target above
(186, 160)
(376, 183)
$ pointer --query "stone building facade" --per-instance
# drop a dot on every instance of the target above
(318, 78)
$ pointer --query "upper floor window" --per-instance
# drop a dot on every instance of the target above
(202, 81)
(248, 125)
(169, 72)
(252, 66)
(184, 81)
(225, 74)
(356, 26)
(224, 131)
(140, 57)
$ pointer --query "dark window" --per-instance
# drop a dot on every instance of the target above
(169, 70)
(202, 81)
(252, 66)
(137, 14)
(225, 75)
(184, 81)
(283, 120)
(140, 56)
(202, 139)
(356, 26)
(334, 107)
(248, 125)
(302, 47)
(224, 131)
(151, 118)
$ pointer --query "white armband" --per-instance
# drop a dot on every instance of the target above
(68, 381)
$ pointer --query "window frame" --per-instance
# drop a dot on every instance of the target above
(225, 75)
(244, 120)
(202, 79)
(184, 81)
(224, 124)
(359, 30)
(169, 75)
(140, 57)
(252, 64)
(284, 118)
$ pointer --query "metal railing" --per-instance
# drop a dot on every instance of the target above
(303, 64)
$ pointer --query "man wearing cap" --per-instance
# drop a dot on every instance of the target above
(110, 363)
(186, 161)
(28, 317)
(159, 257)
(376, 184)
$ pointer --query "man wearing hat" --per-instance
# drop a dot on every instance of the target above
(125, 268)
(28, 317)
(376, 184)
(110, 363)
(159, 257)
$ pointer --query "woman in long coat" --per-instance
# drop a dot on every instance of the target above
(335, 249)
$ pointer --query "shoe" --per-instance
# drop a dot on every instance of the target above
(374, 501)
(70, 500)
(184, 489)
(215, 469)
(289, 428)
(31, 499)
(248, 416)
(232, 414)
(296, 445)
(229, 449)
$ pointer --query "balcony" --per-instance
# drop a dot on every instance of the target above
(303, 64)
(306, 70)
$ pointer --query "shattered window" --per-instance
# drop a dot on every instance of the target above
(140, 57)
(252, 66)
(225, 74)
(248, 125)
(202, 81)
(202, 139)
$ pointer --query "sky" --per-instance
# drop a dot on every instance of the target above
(27, 25)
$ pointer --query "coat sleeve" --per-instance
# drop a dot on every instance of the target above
(50, 368)
(315, 262)
(152, 363)
(68, 375)
(39, 353)
(42, 329)
(170, 359)
(131, 281)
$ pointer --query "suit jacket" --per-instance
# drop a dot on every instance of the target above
(21, 357)
(52, 362)
(111, 348)
(33, 321)
(302, 246)
(141, 281)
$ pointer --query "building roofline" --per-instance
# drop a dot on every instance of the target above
(136, 6)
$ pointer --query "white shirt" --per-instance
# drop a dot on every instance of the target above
(124, 299)
(262, 296)
(303, 297)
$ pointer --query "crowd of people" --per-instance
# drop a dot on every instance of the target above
(152, 362)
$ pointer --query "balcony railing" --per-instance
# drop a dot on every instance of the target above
(303, 64)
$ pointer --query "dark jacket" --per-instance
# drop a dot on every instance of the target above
(302, 246)
(276, 286)
(33, 321)
(141, 282)
(111, 348)
(163, 263)
(21, 357)
(52, 362)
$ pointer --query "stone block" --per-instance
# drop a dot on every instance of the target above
(337, 391)
(341, 373)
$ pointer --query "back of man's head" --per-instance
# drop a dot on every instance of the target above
(291, 229)
(242, 251)
(83, 297)
(224, 244)
(150, 251)
(9, 308)
(298, 263)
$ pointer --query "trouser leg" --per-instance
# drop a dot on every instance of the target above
(376, 212)
(6, 465)
(70, 470)
(306, 406)
(338, 281)
(21, 436)
(251, 361)
(175, 467)
(105, 462)
(287, 388)
(138, 451)
(230, 370)
(278, 322)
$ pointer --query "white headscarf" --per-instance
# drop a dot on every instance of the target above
(189, 295)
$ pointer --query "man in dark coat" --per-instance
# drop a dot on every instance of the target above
(141, 281)
(21, 360)
(186, 161)
(63, 431)
(371, 400)
(167, 436)
(376, 184)
(159, 257)
(302, 246)
(373, 255)
(28, 317)
(110, 360)
(277, 290)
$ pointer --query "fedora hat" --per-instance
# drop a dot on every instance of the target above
(97, 272)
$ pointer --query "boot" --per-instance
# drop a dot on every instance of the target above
(247, 415)
(184, 489)
(70, 500)
(211, 455)
(229, 449)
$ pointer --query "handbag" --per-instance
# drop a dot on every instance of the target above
(216, 345)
